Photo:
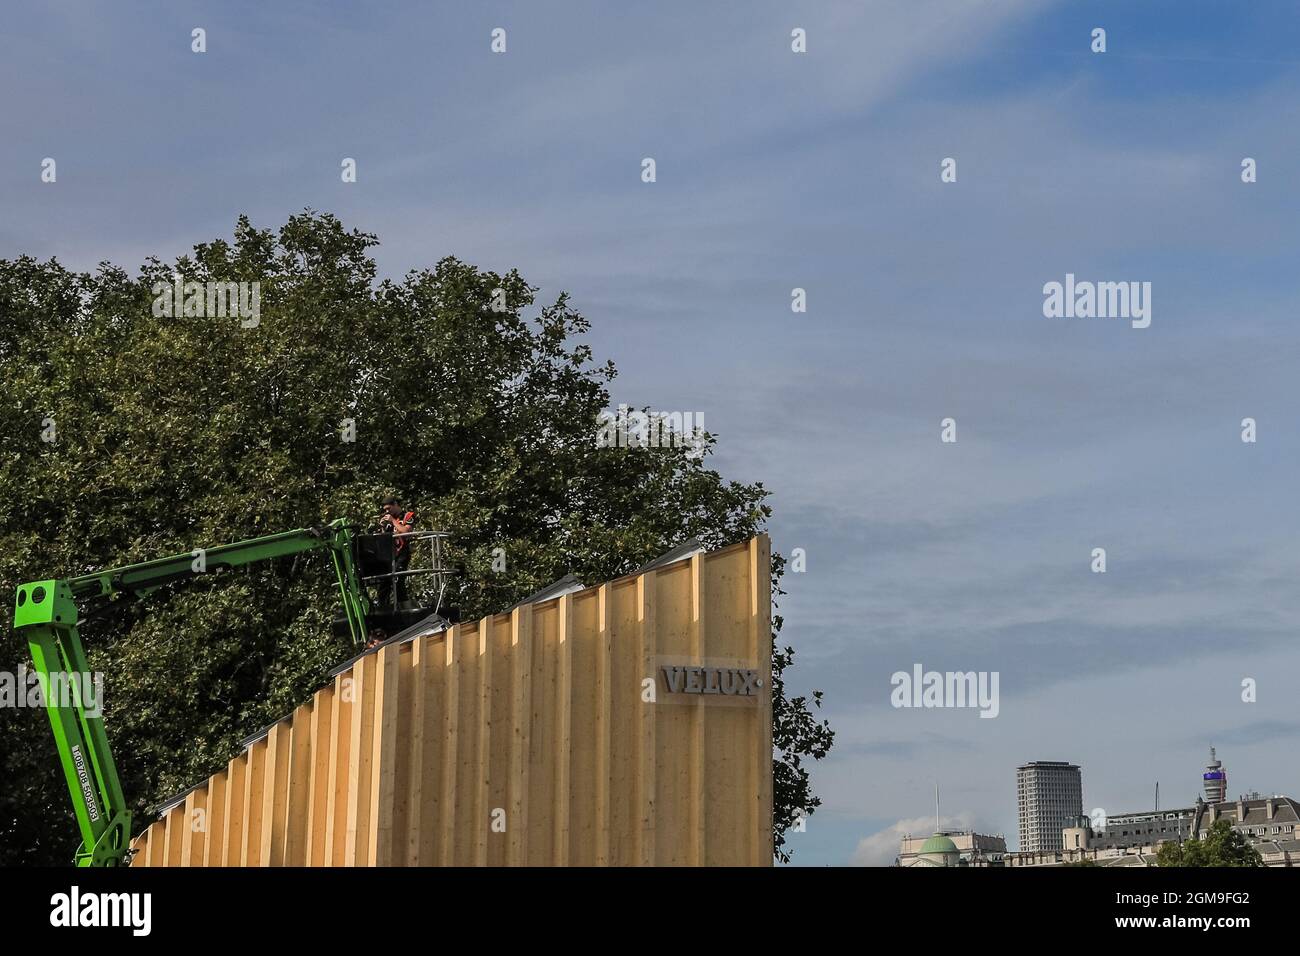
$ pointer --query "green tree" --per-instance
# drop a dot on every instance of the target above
(174, 433)
(1222, 846)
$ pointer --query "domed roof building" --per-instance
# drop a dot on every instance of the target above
(939, 850)
(967, 849)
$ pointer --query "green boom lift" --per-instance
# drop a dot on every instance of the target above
(49, 614)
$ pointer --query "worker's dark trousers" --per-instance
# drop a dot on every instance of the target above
(401, 562)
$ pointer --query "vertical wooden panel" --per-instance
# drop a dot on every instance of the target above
(672, 715)
(254, 793)
(298, 799)
(542, 736)
(563, 727)
(759, 553)
(164, 854)
(157, 843)
(584, 731)
(361, 734)
(450, 733)
(730, 792)
(196, 826)
(408, 836)
(647, 773)
(216, 820)
(383, 747)
(521, 649)
(627, 672)
(346, 690)
(186, 811)
(396, 834)
(172, 837)
(483, 757)
(232, 843)
(318, 809)
(499, 755)
(179, 822)
(466, 790)
(604, 723)
(275, 794)
(435, 709)
(697, 798)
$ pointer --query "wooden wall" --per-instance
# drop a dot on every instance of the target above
(526, 738)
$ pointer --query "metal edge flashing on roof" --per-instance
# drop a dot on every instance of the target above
(176, 799)
(254, 738)
(433, 624)
(686, 549)
(568, 584)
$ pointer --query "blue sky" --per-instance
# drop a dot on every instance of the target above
(821, 171)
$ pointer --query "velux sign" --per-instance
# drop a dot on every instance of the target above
(710, 681)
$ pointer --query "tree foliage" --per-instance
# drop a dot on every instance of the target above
(1222, 846)
(177, 433)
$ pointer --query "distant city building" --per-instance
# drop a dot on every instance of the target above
(1145, 828)
(1261, 820)
(1216, 780)
(1049, 795)
(952, 848)
(938, 850)
(1270, 824)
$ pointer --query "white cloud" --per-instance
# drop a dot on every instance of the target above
(881, 848)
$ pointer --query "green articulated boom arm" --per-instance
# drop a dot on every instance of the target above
(48, 612)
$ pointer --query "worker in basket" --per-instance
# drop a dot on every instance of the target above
(396, 520)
